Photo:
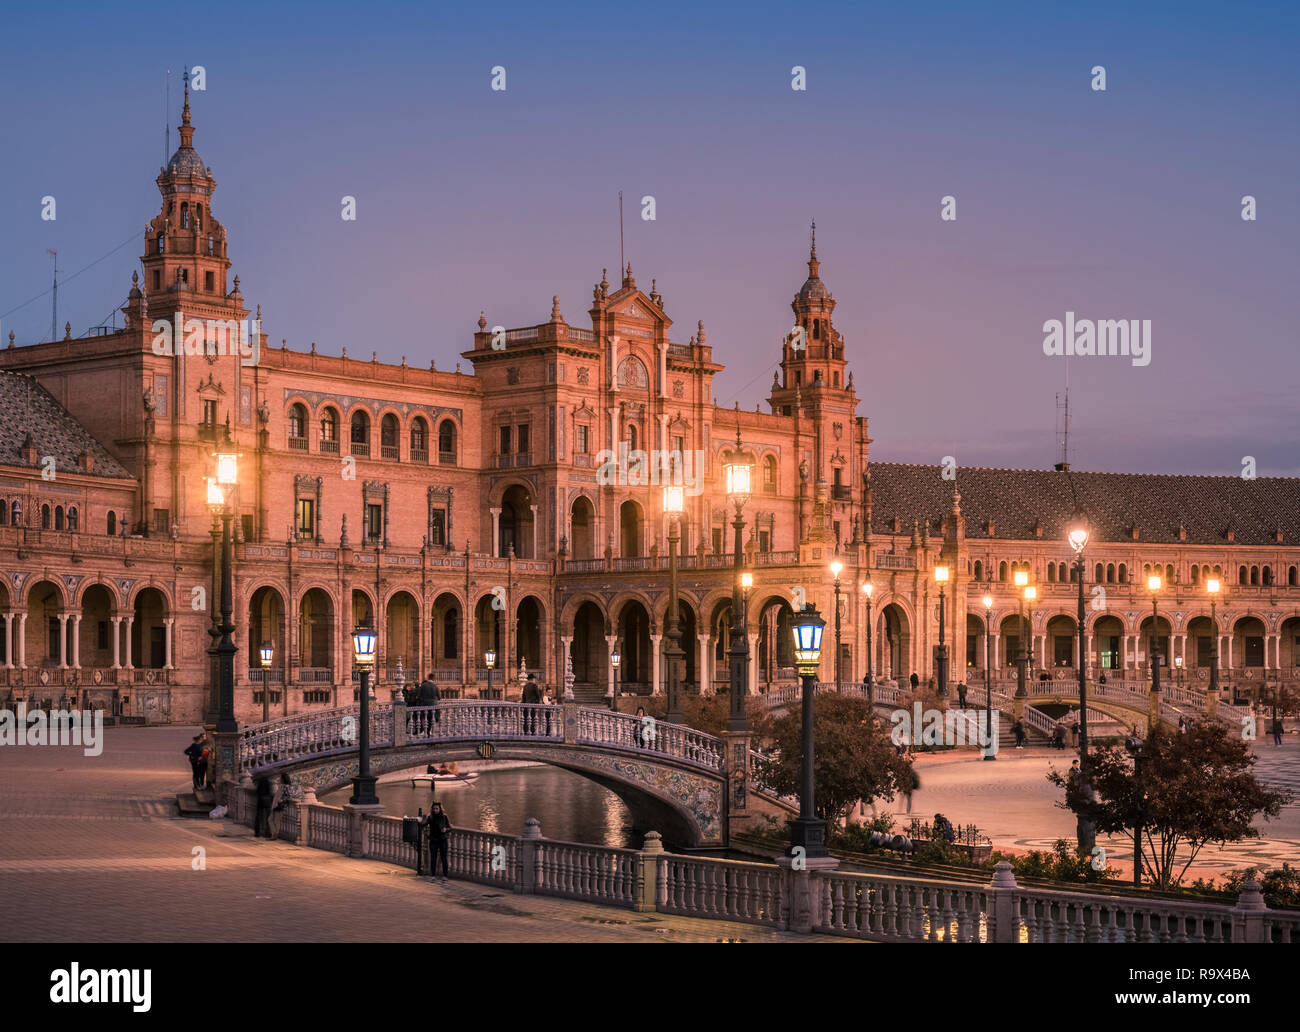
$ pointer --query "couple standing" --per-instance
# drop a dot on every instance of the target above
(532, 695)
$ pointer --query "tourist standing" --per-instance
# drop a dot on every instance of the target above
(195, 753)
(439, 829)
(262, 817)
(532, 696)
(1018, 729)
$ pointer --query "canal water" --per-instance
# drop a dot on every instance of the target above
(569, 807)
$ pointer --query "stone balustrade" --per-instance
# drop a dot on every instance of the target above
(879, 906)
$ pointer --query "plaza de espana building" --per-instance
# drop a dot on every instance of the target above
(461, 511)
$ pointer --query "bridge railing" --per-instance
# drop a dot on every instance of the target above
(874, 905)
(336, 731)
(627, 731)
(452, 721)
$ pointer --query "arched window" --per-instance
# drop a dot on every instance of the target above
(769, 474)
(1051, 572)
(447, 443)
(16, 513)
(449, 635)
(1002, 570)
(112, 524)
(1291, 578)
(1101, 573)
(419, 440)
(388, 432)
(1196, 574)
(298, 427)
(72, 517)
(1266, 577)
(45, 518)
(1123, 573)
(4, 512)
(329, 430)
(1169, 574)
(198, 216)
(1254, 576)
(979, 570)
(631, 437)
(360, 435)
(185, 215)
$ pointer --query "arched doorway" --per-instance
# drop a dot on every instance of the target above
(1108, 644)
(446, 637)
(402, 637)
(1010, 631)
(95, 649)
(582, 527)
(629, 530)
(1162, 644)
(720, 632)
(1248, 648)
(266, 626)
(775, 643)
(149, 633)
(1062, 637)
(489, 633)
(634, 641)
(515, 523)
(590, 651)
(528, 637)
(976, 644)
(41, 647)
(315, 636)
(895, 644)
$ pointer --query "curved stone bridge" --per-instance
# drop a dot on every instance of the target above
(675, 778)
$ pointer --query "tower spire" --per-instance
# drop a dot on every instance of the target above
(186, 129)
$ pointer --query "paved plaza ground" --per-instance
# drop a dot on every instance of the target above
(90, 851)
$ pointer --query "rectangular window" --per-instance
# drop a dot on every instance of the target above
(247, 521)
(157, 280)
(1108, 650)
(438, 527)
(972, 650)
(207, 282)
(162, 521)
(523, 439)
(210, 411)
(717, 540)
(306, 517)
(581, 446)
(160, 392)
(1063, 651)
(764, 541)
(1254, 652)
(505, 441)
(1204, 650)
(101, 635)
(374, 522)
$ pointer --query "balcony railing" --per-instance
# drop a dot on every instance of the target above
(315, 675)
(841, 492)
(446, 458)
(298, 444)
(329, 447)
(361, 448)
(389, 451)
(886, 561)
(419, 455)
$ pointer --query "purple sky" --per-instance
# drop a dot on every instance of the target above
(1123, 204)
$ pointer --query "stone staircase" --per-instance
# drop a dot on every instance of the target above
(196, 804)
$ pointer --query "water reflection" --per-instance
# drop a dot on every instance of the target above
(569, 806)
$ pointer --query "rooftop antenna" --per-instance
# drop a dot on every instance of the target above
(54, 314)
(1063, 435)
(167, 124)
(621, 260)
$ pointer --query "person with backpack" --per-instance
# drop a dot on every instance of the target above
(439, 829)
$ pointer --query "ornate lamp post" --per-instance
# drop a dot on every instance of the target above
(615, 659)
(989, 753)
(220, 489)
(1178, 664)
(941, 657)
(1031, 593)
(266, 653)
(1078, 538)
(738, 491)
(807, 832)
(871, 677)
(490, 661)
(363, 655)
(673, 506)
(1153, 584)
(836, 567)
(1021, 580)
(1212, 586)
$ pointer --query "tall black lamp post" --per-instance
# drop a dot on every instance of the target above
(1212, 586)
(990, 753)
(941, 657)
(836, 567)
(1078, 538)
(807, 832)
(220, 489)
(674, 505)
(616, 660)
(738, 474)
(266, 653)
(363, 655)
(871, 677)
(1154, 583)
(1021, 579)
(490, 661)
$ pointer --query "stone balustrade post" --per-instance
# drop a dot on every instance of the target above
(358, 833)
(569, 714)
(1003, 908)
(801, 900)
(1248, 919)
(399, 720)
(526, 881)
(648, 883)
(304, 814)
(226, 770)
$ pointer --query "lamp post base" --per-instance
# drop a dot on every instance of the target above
(363, 791)
(808, 834)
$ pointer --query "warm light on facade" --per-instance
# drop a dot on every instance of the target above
(363, 646)
(674, 499)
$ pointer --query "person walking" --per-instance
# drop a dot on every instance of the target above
(1018, 729)
(195, 753)
(262, 817)
(961, 695)
(1277, 731)
(429, 695)
(439, 830)
(637, 733)
(532, 696)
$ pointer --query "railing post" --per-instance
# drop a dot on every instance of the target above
(399, 720)
(1248, 920)
(358, 840)
(305, 805)
(569, 714)
(1003, 912)
(226, 754)
(647, 894)
(801, 901)
(526, 883)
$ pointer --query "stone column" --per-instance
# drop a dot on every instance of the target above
(751, 687)
(63, 641)
(76, 641)
(1123, 655)
(655, 658)
(167, 643)
(534, 555)
(650, 853)
(496, 531)
(9, 640)
(702, 672)
(130, 624)
(22, 641)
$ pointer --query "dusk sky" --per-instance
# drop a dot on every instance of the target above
(1122, 204)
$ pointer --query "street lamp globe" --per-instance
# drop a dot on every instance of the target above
(808, 626)
(490, 658)
(746, 580)
(941, 574)
(836, 567)
(216, 496)
(1031, 593)
(988, 601)
(1154, 582)
(867, 589)
(1078, 533)
(1021, 578)
(616, 658)
(674, 500)
(227, 469)
(363, 646)
(267, 651)
(738, 482)
(1212, 585)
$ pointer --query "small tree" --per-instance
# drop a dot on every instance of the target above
(854, 758)
(1196, 788)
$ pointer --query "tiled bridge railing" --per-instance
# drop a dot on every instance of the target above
(881, 906)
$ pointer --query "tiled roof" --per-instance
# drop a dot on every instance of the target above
(28, 408)
(1114, 503)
